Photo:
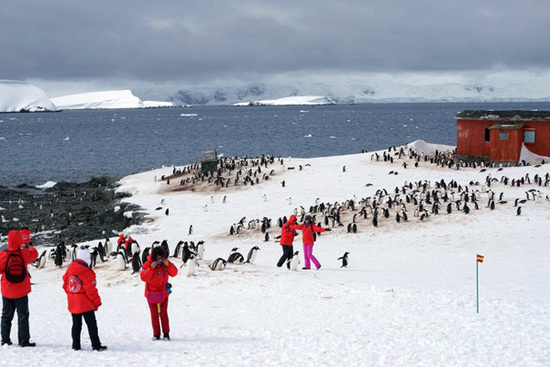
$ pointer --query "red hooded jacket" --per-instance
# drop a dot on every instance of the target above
(79, 282)
(307, 232)
(157, 278)
(287, 234)
(16, 290)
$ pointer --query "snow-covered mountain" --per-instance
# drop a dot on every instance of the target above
(290, 101)
(105, 100)
(376, 90)
(18, 96)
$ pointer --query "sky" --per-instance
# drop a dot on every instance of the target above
(72, 45)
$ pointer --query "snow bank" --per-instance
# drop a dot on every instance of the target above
(530, 157)
(105, 100)
(17, 96)
(290, 101)
(427, 148)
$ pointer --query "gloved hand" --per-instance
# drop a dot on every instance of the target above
(328, 230)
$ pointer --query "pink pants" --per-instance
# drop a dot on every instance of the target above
(308, 255)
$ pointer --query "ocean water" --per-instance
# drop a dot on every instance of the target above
(76, 145)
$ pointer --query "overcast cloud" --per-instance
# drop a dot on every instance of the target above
(201, 42)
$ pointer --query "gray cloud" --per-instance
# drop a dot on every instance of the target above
(202, 41)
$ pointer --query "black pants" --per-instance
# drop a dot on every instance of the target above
(9, 305)
(91, 322)
(288, 252)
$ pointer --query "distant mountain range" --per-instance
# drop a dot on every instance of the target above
(365, 93)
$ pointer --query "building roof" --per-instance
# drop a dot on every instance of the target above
(511, 115)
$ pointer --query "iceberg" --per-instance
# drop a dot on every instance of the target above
(290, 101)
(105, 100)
(19, 96)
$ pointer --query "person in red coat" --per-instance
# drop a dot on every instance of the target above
(79, 282)
(308, 228)
(287, 238)
(155, 272)
(13, 265)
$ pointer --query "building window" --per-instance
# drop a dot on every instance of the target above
(487, 135)
(502, 136)
(529, 136)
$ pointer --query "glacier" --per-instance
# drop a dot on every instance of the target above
(20, 96)
(105, 100)
(290, 101)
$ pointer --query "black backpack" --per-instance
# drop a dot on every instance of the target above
(15, 270)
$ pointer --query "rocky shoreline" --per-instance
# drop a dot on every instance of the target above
(70, 212)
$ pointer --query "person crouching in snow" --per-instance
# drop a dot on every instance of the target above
(155, 273)
(79, 282)
(16, 285)
(287, 238)
(308, 228)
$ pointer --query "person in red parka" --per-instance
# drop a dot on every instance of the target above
(287, 238)
(308, 228)
(16, 285)
(155, 272)
(79, 282)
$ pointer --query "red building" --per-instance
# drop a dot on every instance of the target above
(499, 135)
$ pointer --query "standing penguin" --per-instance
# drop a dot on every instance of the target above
(41, 261)
(344, 259)
(252, 255)
(121, 260)
(294, 261)
(190, 265)
(190, 230)
(145, 255)
(136, 263)
(200, 250)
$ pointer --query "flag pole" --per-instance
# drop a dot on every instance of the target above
(477, 285)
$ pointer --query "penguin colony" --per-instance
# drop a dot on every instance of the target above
(231, 172)
(190, 254)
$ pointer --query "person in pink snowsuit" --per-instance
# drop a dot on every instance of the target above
(308, 228)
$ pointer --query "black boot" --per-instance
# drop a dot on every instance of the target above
(166, 337)
(100, 348)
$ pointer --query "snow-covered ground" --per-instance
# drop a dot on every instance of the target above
(18, 95)
(290, 101)
(105, 100)
(407, 297)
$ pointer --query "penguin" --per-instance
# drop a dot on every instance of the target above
(218, 264)
(167, 212)
(185, 254)
(164, 245)
(145, 255)
(177, 249)
(93, 257)
(41, 261)
(58, 260)
(108, 246)
(134, 248)
(190, 265)
(518, 211)
(344, 259)
(190, 230)
(200, 250)
(136, 263)
(235, 257)
(294, 261)
(252, 255)
(354, 228)
(121, 260)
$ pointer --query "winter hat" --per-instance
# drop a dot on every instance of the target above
(307, 217)
(83, 254)
(25, 236)
(14, 240)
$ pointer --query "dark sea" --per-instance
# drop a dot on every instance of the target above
(76, 145)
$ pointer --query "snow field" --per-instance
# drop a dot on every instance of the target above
(406, 299)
